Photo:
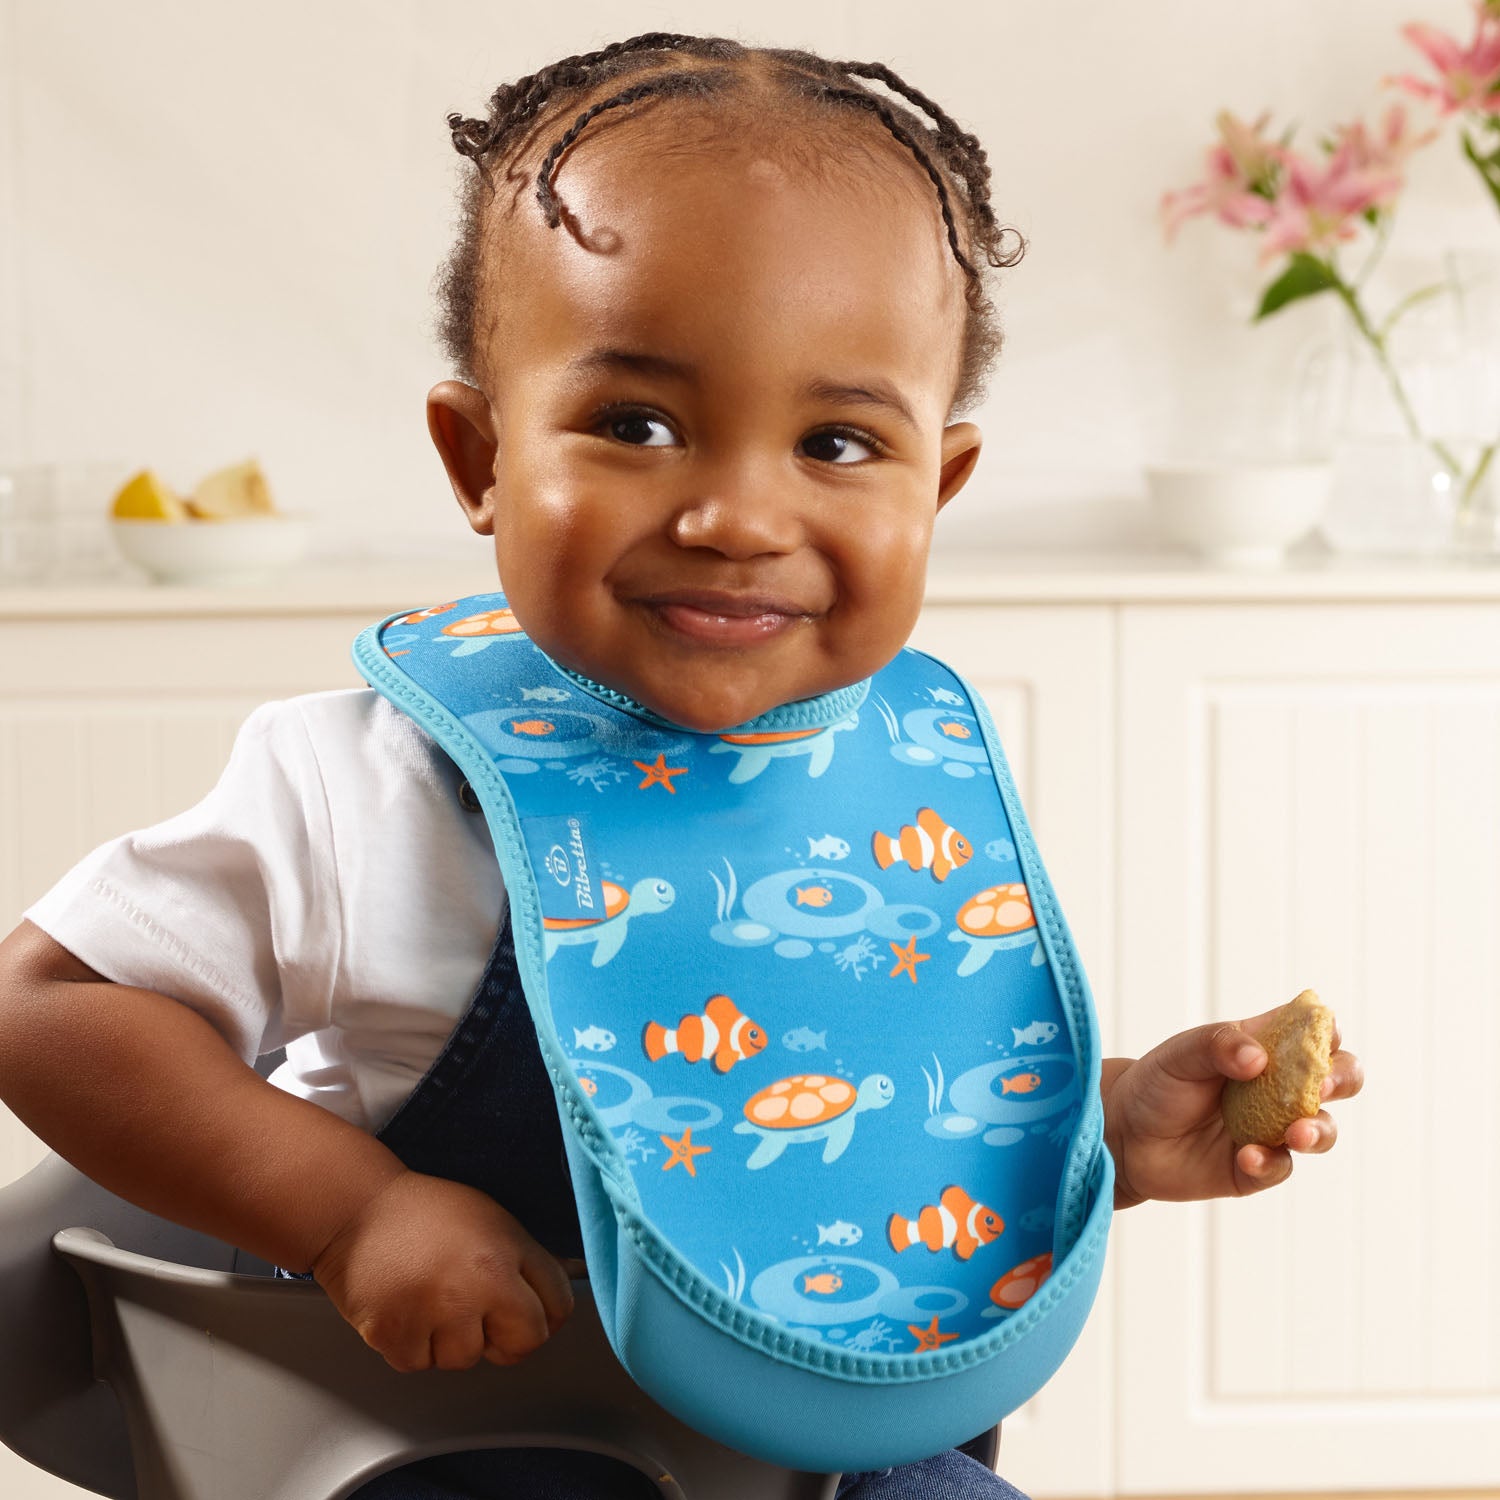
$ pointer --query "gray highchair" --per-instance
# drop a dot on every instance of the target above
(222, 1383)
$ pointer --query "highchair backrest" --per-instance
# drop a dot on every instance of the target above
(237, 1386)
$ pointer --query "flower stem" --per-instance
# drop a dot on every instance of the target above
(1439, 450)
(1472, 483)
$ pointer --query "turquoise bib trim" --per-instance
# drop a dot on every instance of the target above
(825, 1057)
(805, 713)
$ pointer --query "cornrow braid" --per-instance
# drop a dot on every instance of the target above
(952, 159)
(513, 105)
(860, 99)
(961, 149)
(700, 82)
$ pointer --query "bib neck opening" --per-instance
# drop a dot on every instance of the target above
(804, 713)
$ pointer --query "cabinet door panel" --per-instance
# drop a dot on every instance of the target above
(1308, 799)
(111, 725)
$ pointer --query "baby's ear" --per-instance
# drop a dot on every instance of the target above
(961, 443)
(463, 430)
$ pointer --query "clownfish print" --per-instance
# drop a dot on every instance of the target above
(929, 844)
(955, 1222)
(531, 726)
(722, 1032)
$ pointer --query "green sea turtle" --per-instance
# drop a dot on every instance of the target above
(607, 933)
(809, 1107)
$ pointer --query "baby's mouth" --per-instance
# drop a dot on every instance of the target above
(715, 618)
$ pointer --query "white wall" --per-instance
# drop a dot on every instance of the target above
(219, 223)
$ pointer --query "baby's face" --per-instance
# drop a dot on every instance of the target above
(713, 442)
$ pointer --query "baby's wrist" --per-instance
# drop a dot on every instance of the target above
(1110, 1073)
(338, 1231)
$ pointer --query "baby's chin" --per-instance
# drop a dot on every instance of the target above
(707, 713)
(717, 708)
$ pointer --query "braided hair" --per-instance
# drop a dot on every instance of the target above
(952, 160)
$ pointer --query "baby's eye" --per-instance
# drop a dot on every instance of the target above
(840, 446)
(635, 428)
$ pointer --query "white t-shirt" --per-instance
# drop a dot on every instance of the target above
(331, 894)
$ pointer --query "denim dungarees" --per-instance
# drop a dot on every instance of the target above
(486, 1093)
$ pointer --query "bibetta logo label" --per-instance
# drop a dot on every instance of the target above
(568, 887)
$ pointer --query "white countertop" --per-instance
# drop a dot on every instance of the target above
(979, 578)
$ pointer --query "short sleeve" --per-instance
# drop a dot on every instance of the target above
(230, 907)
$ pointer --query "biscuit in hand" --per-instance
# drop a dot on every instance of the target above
(1299, 1046)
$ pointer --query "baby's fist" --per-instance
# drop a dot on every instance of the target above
(436, 1275)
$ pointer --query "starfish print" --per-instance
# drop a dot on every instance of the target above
(908, 958)
(660, 774)
(684, 1151)
(929, 1337)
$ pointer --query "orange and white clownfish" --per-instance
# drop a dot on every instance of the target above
(955, 1222)
(930, 844)
(722, 1032)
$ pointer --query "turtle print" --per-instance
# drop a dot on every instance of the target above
(607, 933)
(809, 1107)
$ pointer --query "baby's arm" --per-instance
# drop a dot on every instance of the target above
(1164, 1127)
(143, 1095)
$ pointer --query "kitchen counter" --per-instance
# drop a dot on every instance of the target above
(980, 578)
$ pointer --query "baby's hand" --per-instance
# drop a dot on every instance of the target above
(1165, 1131)
(434, 1274)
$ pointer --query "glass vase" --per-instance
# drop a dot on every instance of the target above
(1416, 425)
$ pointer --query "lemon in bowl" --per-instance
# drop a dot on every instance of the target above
(227, 530)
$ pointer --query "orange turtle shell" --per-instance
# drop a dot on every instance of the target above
(1018, 1283)
(997, 911)
(803, 1099)
(770, 737)
(490, 622)
(616, 899)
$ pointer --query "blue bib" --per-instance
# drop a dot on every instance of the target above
(826, 1061)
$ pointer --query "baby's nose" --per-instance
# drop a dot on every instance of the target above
(739, 518)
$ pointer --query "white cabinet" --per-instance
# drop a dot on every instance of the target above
(1240, 788)
(1308, 797)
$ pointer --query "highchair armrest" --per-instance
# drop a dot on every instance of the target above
(253, 1388)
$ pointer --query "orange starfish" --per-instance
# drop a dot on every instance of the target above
(929, 1337)
(683, 1151)
(660, 774)
(907, 958)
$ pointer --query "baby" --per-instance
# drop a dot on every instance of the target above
(715, 309)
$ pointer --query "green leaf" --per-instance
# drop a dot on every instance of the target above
(1305, 276)
(1485, 170)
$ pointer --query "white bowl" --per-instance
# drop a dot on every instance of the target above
(1239, 514)
(213, 552)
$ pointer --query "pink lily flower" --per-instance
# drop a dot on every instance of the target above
(1240, 163)
(1320, 204)
(1389, 150)
(1469, 76)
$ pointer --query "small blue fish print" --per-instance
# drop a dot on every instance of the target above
(544, 695)
(1038, 1034)
(827, 847)
(1001, 850)
(839, 1233)
(805, 1039)
(946, 695)
(595, 1038)
(1036, 1218)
